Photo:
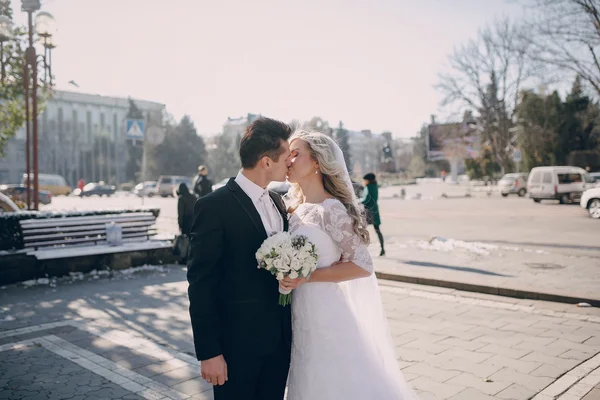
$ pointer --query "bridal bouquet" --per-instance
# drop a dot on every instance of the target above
(283, 254)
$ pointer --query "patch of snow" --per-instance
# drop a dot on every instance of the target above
(437, 243)
(8, 318)
(36, 282)
(448, 245)
(130, 271)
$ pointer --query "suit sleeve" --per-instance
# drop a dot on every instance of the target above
(204, 275)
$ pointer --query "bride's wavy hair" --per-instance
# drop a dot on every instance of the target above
(332, 174)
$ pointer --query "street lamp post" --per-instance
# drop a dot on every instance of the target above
(44, 26)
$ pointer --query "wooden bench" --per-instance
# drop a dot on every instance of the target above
(86, 235)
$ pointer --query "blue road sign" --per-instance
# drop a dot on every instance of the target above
(135, 129)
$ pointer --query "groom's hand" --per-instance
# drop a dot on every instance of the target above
(214, 370)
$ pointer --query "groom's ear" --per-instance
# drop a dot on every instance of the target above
(265, 162)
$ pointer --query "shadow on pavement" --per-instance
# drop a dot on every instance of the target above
(451, 267)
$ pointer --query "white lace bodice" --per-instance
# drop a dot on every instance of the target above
(331, 218)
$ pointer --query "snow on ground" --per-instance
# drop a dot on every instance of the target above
(92, 275)
(446, 245)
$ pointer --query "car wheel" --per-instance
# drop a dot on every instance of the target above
(163, 195)
(565, 198)
(537, 200)
(594, 208)
(522, 193)
(504, 194)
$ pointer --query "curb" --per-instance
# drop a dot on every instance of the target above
(498, 291)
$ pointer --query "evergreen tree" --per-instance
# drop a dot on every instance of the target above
(181, 152)
(579, 129)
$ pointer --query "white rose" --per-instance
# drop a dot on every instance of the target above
(307, 246)
(280, 276)
(277, 264)
(303, 255)
(295, 264)
(306, 270)
(293, 275)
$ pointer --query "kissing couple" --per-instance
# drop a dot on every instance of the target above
(333, 342)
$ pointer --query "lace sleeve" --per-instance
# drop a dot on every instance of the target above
(338, 224)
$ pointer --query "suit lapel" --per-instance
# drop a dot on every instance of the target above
(281, 208)
(247, 206)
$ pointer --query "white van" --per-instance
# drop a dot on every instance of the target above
(168, 184)
(565, 184)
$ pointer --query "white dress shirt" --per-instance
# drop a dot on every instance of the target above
(269, 215)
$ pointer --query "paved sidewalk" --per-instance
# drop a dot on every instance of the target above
(129, 338)
(482, 266)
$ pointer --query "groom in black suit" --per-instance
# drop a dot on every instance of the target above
(242, 335)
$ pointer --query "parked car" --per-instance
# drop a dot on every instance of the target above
(595, 176)
(18, 194)
(168, 184)
(590, 200)
(95, 189)
(146, 189)
(513, 184)
(565, 184)
(55, 184)
(7, 205)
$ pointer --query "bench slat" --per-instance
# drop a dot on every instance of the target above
(50, 230)
(88, 233)
(70, 221)
(98, 239)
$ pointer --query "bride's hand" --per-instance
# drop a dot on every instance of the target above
(288, 283)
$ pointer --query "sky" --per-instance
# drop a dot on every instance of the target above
(371, 64)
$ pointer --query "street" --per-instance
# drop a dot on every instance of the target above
(487, 240)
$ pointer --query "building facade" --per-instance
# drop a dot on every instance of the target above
(366, 151)
(81, 136)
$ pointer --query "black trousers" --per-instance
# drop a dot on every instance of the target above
(256, 377)
(379, 235)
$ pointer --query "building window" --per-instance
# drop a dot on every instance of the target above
(88, 121)
(74, 121)
(4, 176)
(61, 125)
(115, 128)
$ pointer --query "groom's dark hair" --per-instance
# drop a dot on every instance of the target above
(263, 138)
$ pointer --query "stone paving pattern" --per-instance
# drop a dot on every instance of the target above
(34, 373)
(451, 345)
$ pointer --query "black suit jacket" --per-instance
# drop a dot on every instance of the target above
(233, 305)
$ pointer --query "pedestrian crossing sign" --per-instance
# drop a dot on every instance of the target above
(135, 129)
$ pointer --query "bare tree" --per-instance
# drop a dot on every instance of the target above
(566, 34)
(487, 75)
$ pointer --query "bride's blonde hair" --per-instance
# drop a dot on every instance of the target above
(332, 174)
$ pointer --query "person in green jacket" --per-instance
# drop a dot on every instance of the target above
(369, 200)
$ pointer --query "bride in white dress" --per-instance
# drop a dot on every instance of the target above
(342, 348)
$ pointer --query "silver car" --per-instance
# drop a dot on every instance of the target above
(513, 184)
